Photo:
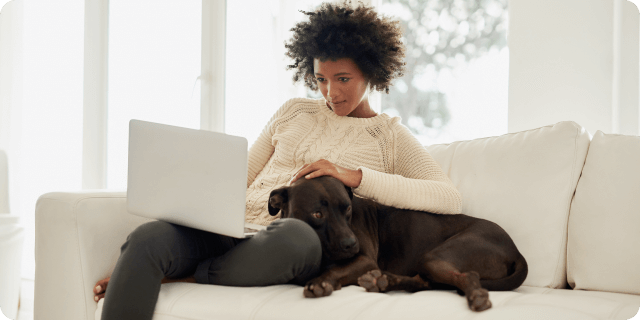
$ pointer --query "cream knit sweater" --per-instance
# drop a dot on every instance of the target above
(396, 169)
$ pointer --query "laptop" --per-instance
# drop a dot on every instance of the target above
(194, 178)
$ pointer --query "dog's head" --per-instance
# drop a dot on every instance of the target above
(325, 204)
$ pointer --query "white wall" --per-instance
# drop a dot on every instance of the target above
(626, 68)
(564, 64)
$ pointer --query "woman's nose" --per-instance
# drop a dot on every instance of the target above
(332, 92)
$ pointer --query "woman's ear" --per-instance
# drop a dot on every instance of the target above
(278, 200)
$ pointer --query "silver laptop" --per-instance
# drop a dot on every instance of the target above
(194, 178)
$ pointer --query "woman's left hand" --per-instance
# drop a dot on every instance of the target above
(350, 178)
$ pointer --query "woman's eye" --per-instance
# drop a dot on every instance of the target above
(317, 215)
(320, 79)
(343, 79)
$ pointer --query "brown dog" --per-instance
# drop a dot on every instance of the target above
(384, 249)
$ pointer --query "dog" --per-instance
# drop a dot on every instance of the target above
(383, 249)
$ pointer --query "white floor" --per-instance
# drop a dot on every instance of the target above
(25, 310)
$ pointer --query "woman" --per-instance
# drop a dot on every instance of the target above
(345, 53)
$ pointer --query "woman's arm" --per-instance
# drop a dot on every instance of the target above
(262, 149)
(418, 182)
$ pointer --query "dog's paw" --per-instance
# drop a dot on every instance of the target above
(374, 281)
(479, 300)
(318, 288)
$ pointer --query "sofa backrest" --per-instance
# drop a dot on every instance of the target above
(604, 225)
(524, 182)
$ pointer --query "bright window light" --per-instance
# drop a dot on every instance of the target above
(257, 82)
(49, 156)
(154, 61)
(456, 83)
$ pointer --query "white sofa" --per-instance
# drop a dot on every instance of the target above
(571, 204)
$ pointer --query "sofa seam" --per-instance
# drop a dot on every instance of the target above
(172, 303)
(615, 311)
(75, 216)
(73, 206)
(362, 309)
(554, 306)
(507, 301)
(565, 227)
(263, 303)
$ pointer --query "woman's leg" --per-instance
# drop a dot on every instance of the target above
(288, 251)
(152, 251)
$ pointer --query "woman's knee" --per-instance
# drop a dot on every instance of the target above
(297, 238)
(151, 235)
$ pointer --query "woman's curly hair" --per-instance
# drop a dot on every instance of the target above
(340, 31)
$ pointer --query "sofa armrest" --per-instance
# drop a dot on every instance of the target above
(78, 240)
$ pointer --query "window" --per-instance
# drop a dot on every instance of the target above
(45, 152)
(455, 85)
(257, 82)
(154, 61)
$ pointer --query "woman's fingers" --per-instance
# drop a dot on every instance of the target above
(302, 172)
(314, 170)
(317, 173)
(319, 168)
(351, 178)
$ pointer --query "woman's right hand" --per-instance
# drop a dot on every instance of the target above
(100, 288)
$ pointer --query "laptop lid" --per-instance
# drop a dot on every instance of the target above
(194, 178)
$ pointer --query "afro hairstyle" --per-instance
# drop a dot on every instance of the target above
(333, 32)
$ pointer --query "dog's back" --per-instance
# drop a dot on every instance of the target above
(405, 236)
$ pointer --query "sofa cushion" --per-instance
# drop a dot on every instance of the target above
(198, 302)
(603, 242)
(78, 237)
(524, 182)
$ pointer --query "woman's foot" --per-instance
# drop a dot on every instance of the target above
(101, 286)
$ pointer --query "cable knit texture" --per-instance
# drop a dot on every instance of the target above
(396, 169)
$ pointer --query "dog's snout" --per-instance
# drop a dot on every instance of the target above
(347, 243)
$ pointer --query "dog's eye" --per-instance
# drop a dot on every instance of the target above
(317, 215)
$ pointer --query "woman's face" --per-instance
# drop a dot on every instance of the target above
(343, 86)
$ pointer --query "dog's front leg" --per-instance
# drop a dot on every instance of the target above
(338, 276)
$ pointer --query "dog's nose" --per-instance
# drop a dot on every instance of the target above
(347, 243)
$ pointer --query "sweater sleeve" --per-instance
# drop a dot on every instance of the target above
(262, 149)
(418, 182)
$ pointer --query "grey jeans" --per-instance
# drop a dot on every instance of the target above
(288, 251)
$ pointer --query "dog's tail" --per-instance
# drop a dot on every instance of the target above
(511, 281)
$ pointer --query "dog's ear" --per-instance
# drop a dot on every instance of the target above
(277, 200)
(350, 192)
